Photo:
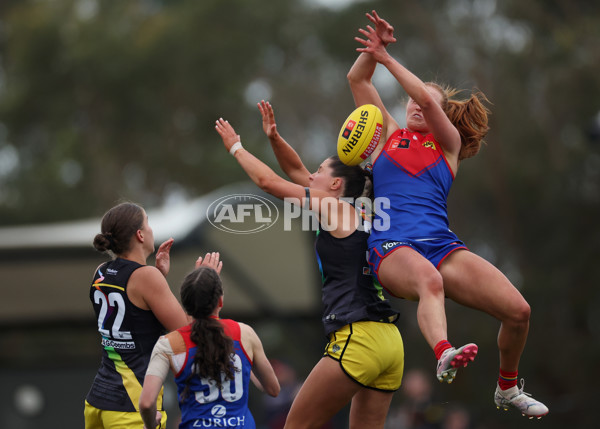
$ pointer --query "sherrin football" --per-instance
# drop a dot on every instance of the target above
(360, 134)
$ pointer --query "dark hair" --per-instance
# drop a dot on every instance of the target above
(118, 225)
(358, 181)
(200, 293)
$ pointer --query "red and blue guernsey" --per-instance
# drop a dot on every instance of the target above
(412, 172)
(207, 406)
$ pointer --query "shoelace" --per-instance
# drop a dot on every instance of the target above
(521, 390)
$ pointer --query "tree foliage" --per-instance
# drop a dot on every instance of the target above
(102, 100)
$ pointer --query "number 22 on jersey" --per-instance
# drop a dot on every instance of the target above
(113, 301)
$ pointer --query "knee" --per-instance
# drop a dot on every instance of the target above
(520, 313)
(431, 284)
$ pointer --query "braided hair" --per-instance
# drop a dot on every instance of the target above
(200, 294)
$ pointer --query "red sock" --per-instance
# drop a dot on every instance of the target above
(507, 379)
(441, 347)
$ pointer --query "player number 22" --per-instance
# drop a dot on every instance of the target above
(115, 299)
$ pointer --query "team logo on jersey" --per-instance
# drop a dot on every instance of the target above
(429, 144)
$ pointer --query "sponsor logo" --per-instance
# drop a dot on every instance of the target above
(358, 132)
(374, 142)
(111, 271)
(242, 213)
(218, 411)
(335, 348)
(399, 144)
(223, 422)
(366, 271)
(348, 129)
(389, 245)
(121, 345)
(430, 145)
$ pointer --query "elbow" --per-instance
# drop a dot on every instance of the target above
(271, 185)
(350, 77)
(353, 79)
(426, 100)
(266, 184)
(147, 403)
(273, 390)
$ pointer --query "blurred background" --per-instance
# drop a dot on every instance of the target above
(102, 101)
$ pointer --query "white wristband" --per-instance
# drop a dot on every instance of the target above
(235, 147)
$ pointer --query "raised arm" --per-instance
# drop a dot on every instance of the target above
(328, 209)
(441, 127)
(360, 79)
(287, 157)
(260, 173)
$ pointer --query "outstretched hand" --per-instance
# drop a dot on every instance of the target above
(373, 43)
(211, 260)
(268, 119)
(383, 29)
(227, 133)
(163, 257)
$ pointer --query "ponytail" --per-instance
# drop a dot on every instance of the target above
(358, 181)
(200, 294)
(470, 117)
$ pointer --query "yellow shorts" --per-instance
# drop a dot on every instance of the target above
(370, 353)
(104, 419)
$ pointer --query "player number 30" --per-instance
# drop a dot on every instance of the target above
(226, 392)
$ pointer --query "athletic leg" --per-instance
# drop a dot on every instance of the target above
(474, 282)
(485, 288)
(326, 391)
(369, 409)
(407, 274)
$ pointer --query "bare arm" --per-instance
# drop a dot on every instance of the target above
(287, 157)
(261, 367)
(441, 127)
(148, 288)
(260, 173)
(148, 397)
(360, 80)
(329, 209)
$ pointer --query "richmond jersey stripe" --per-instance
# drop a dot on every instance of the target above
(128, 334)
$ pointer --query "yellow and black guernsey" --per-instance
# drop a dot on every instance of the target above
(128, 335)
(350, 292)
